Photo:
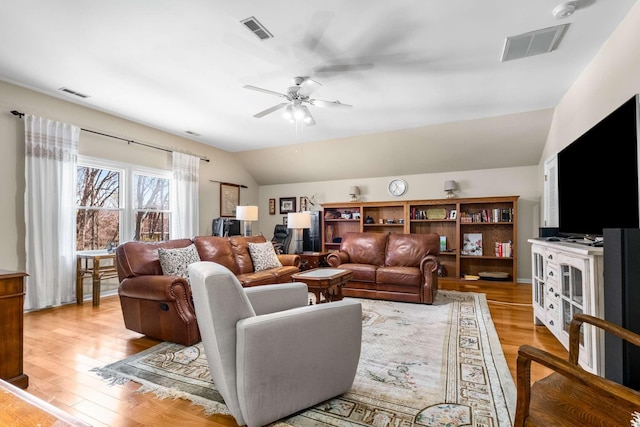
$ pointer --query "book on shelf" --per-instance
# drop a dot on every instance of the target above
(472, 244)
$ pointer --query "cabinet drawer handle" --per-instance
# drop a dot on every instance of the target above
(549, 256)
(551, 306)
(550, 289)
(551, 322)
(556, 295)
(551, 273)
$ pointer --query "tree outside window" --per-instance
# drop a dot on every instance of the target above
(117, 204)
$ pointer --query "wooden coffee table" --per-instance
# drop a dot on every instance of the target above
(324, 282)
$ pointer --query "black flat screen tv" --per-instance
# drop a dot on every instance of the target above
(598, 176)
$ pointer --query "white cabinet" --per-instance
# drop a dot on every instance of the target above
(567, 278)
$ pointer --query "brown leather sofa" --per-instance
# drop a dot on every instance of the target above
(161, 306)
(395, 267)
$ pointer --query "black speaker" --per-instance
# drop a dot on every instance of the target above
(548, 231)
(621, 303)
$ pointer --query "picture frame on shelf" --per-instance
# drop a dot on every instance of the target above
(472, 244)
(229, 199)
(272, 206)
(287, 204)
(453, 214)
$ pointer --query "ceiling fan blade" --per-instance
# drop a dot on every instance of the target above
(329, 104)
(270, 92)
(308, 86)
(270, 110)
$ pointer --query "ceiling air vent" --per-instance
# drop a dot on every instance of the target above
(533, 43)
(257, 28)
(73, 92)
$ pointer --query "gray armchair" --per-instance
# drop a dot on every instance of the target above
(270, 353)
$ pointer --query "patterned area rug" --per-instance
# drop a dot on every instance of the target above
(421, 365)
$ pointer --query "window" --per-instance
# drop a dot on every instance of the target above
(115, 201)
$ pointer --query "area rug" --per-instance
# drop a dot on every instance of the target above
(420, 365)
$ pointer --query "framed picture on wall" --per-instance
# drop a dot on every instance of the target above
(304, 203)
(229, 199)
(272, 206)
(287, 204)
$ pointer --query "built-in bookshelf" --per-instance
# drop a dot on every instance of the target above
(491, 221)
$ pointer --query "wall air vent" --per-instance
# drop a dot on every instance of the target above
(533, 43)
(257, 28)
(73, 92)
(192, 133)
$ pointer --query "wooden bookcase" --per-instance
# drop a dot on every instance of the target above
(492, 218)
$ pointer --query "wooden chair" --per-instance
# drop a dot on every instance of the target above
(572, 396)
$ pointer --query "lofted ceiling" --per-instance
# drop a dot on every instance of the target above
(425, 78)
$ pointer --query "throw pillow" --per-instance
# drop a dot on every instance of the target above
(174, 262)
(263, 256)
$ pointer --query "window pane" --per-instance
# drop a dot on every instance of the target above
(151, 192)
(97, 229)
(97, 188)
(151, 226)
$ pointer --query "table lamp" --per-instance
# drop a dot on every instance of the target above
(354, 192)
(450, 187)
(247, 214)
(297, 221)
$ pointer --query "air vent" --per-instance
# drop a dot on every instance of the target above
(533, 43)
(73, 92)
(192, 133)
(257, 28)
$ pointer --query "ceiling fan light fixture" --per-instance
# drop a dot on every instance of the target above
(288, 112)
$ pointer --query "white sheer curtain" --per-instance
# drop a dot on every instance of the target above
(51, 151)
(184, 218)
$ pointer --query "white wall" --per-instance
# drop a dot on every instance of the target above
(222, 167)
(520, 181)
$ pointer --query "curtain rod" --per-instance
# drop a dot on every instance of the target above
(129, 141)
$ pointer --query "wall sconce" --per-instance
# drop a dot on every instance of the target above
(450, 187)
(354, 192)
(298, 221)
(247, 214)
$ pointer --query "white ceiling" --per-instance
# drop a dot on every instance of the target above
(180, 65)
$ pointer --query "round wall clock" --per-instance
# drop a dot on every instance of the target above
(397, 187)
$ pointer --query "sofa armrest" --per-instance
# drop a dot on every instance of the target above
(334, 259)
(429, 269)
(290, 259)
(156, 288)
(272, 298)
(280, 352)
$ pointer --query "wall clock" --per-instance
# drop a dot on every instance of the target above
(397, 187)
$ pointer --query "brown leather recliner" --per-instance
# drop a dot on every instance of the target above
(395, 267)
(161, 306)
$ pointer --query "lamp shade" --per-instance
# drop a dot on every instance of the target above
(354, 190)
(450, 186)
(298, 220)
(247, 213)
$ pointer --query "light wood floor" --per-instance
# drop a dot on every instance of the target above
(61, 345)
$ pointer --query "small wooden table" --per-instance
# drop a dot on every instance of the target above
(98, 270)
(324, 282)
(313, 260)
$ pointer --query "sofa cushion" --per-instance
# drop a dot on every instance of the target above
(217, 249)
(141, 258)
(407, 250)
(399, 276)
(365, 248)
(361, 272)
(263, 256)
(241, 251)
(174, 262)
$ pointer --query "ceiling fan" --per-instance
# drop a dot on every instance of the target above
(297, 96)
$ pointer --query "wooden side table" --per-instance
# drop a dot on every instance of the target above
(325, 283)
(311, 260)
(98, 269)
(12, 327)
